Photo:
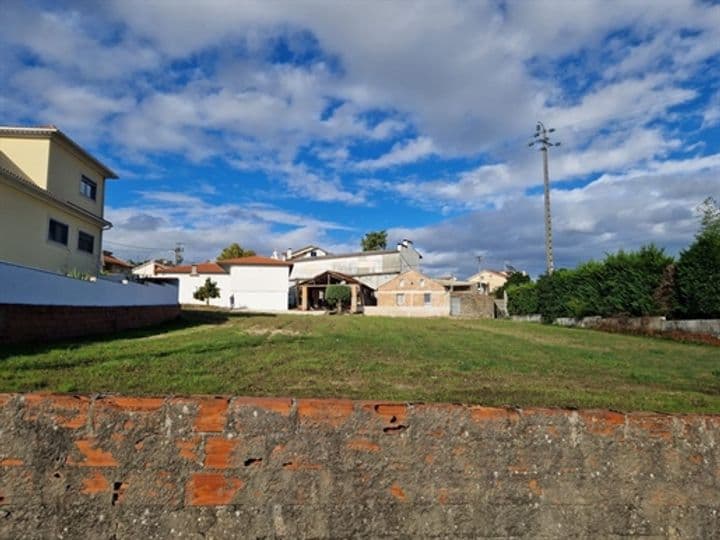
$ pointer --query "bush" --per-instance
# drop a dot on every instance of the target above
(337, 295)
(698, 278)
(523, 299)
(625, 283)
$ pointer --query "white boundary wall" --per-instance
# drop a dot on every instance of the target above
(254, 288)
(23, 285)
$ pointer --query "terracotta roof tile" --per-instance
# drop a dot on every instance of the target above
(254, 260)
(202, 268)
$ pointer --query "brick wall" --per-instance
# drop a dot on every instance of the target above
(220, 467)
(21, 322)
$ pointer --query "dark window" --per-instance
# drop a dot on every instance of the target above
(58, 232)
(86, 242)
(427, 299)
(88, 188)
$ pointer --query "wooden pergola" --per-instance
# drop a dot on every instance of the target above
(312, 291)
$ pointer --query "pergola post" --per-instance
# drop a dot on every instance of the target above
(304, 298)
(353, 298)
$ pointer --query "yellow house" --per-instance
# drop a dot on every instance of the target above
(52, 195)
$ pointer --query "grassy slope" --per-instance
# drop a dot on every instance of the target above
(489, 362)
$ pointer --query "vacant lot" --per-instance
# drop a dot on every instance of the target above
(488, 362)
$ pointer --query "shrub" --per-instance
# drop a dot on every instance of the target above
(698, 278)
(523, 299)
(337, 295)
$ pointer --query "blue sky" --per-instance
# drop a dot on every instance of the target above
(281, 124)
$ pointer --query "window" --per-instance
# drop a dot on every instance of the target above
(422, 282)
(86, 242)
(400, 299)
(427, 298)
(58, 232)
(88, 188)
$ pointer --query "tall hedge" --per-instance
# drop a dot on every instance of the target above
(523, 299)
(625, 283)
(698, 278)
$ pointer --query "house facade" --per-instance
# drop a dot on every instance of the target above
(52, 195)
(372, 268)
(253, 283)
(413, 294)
(489, 280)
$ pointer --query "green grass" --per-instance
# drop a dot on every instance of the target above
(469, 361)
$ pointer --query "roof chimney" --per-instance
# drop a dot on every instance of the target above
(193, 270)
(275, 254)
(288, 254)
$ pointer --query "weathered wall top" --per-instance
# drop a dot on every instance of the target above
(222, 467)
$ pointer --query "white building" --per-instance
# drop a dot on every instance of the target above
(254, 283)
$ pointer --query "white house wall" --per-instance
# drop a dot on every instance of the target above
(256, 288)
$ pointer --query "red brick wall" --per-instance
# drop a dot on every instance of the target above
(127, 467)
(21, 323)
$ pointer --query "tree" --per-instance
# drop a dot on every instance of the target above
(698, 269)
(207, 291)
(234, 251)
(513, 280)
(374, 241)
(336, 295)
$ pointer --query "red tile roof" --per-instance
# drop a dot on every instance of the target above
(109, 258)
(254, 260)
(202, 268)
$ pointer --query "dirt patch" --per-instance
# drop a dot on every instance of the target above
(270, 332)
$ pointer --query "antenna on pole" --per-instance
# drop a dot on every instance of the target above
(179, 250)
(542, 139)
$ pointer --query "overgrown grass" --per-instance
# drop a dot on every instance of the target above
(470, 361)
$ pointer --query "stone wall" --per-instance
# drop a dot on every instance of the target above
(709, 327)
(22, 322)
(475, 305)
(122, 467)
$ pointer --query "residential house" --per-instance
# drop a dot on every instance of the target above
(253, 283)
(150, 268)
(372, 268)
(114, 265)
(52, 195)
(413, 294)
(488, 281)
(305, 253)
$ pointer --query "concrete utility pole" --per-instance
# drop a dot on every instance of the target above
(542, 139)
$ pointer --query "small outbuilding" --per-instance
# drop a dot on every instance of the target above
(312, 292)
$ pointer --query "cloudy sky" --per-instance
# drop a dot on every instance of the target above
(280, 124)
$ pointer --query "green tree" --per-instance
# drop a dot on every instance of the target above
(234, 251)
(514, 279)
(337, 295)
(207, 291)
(698, 269)
(374, 241)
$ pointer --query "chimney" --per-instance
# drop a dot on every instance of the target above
(193, 270)
(288, 254)
(275, 254)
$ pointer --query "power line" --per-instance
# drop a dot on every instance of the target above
(137, 247)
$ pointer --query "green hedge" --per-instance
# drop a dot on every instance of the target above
(523, 299)
(625, 283)
(698, 278)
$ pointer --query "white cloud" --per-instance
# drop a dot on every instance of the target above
(401, 154)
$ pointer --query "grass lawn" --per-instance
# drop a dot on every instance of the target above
(469, 361)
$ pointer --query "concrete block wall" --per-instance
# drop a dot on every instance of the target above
(24, 323)
(222, 467)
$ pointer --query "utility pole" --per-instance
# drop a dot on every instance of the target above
(542, 139)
